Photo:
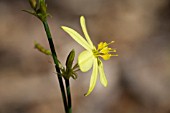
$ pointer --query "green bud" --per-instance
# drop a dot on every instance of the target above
(70, 70)
(70, 59)
(43, 7)
(40, 48)
(33, 4)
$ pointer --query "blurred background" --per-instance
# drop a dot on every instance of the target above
(138, 79)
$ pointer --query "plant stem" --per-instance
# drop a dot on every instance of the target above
(54, 55)
(68, 95)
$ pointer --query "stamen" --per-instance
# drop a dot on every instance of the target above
(111, 42)
(113, 50)
(115, 55)
(104, 51)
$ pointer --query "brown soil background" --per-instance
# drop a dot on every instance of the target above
(139, 79)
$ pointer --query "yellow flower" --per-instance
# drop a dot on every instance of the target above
(90, 56)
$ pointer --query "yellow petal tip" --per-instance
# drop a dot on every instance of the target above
(63, 27)
(81, 17)
(105, 85)
(87, 94)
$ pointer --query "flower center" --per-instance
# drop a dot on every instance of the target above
(104, 51)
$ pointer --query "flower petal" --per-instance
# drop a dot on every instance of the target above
(103, 79)
(83, 25)
(93, 77)
(77, 37)
(85, 60)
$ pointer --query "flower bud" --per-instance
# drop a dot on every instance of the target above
(70, 59)
(40, 48)
(33, 4)
(43, 7)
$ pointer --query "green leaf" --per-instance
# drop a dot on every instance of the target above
(30, 12)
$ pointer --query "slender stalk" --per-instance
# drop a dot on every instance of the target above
(54, 55)
(67, 82)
